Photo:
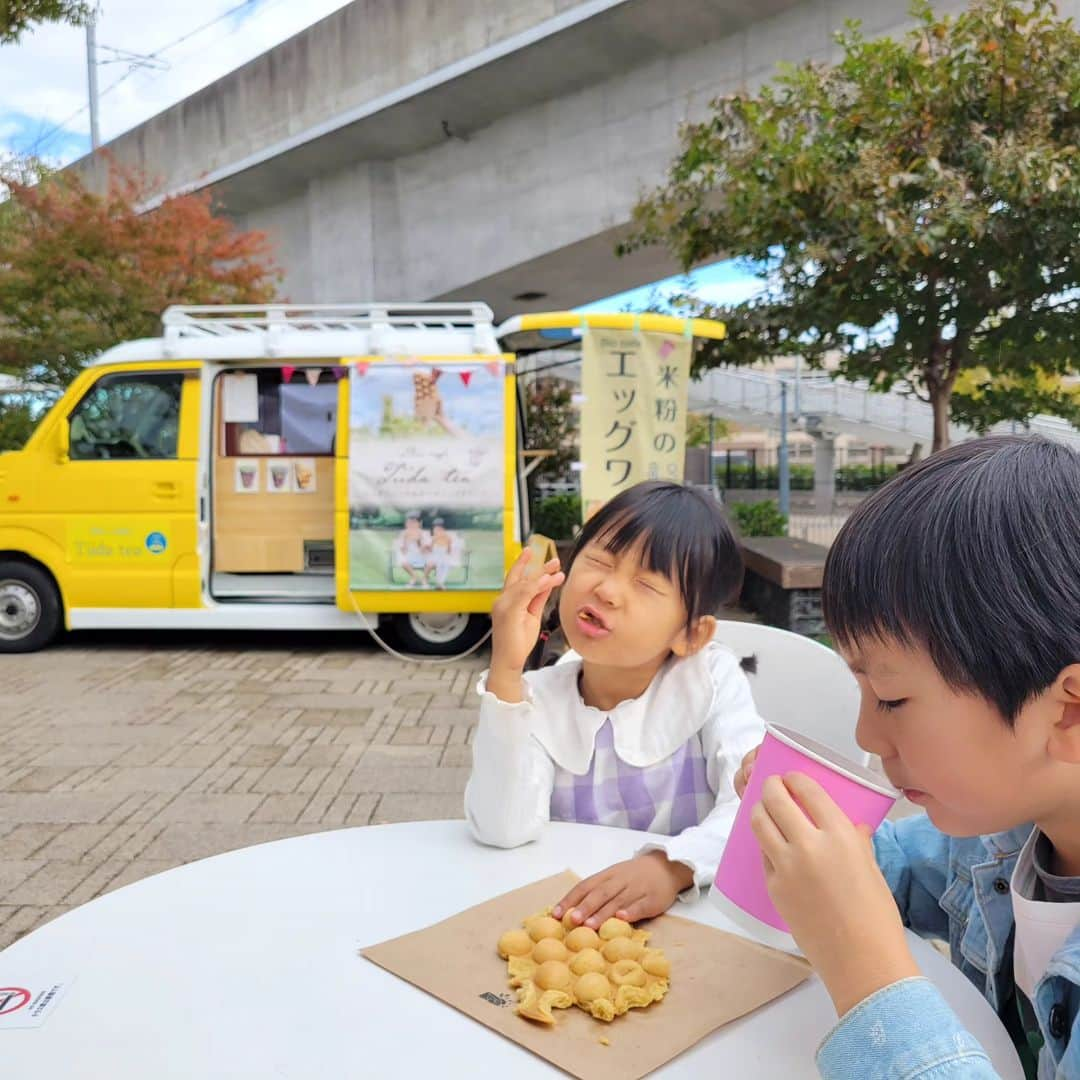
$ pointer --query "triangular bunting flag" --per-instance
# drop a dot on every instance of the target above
(465, 376)
(339, 373)
(666, 349)
(436, 373)
(494, 368)
(362, 366)
(312, 374)
(287, 373)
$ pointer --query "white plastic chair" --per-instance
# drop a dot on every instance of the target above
(799, 683)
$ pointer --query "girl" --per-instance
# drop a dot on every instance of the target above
(644, 724)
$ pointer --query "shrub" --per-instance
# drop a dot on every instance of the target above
(759, 519)
(558, 516)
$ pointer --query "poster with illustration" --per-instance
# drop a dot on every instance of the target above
(426, 476)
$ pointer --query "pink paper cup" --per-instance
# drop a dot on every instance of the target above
(739, 888)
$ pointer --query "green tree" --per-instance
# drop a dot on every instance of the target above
(912, 209)
(17, 423)
(551, 423)
(697, 429)
(17, 16)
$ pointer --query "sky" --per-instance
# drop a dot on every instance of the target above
(43, 90)
(729, 282)
(43, 86)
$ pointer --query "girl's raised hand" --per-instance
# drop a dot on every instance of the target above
(518, 612)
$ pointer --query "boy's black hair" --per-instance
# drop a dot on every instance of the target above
(974, 556)
(683, 534)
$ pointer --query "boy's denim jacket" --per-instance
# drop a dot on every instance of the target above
(959, 890)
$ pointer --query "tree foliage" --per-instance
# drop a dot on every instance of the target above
(17, 16)
(914, 208)
(82, 271)
(551, 423)
(17, 422)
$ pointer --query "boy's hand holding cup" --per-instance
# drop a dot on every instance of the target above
(516, 621)
(800, 861)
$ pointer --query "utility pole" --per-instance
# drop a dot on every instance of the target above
(91, 78)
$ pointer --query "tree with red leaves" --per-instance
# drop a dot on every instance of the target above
(82, 271)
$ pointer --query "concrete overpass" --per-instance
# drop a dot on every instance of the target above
(473, 149)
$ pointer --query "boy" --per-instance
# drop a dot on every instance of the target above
(954, 594)
(413, 546)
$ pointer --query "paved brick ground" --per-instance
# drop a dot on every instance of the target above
(122, 756)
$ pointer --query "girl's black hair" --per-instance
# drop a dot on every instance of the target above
(683, 535)
(974, 556)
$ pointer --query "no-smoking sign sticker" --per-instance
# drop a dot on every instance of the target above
(28, 1002)
(13, 998)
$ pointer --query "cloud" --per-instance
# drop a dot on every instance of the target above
(43, 83)
(729, 292)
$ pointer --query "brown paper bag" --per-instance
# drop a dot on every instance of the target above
(715, 978)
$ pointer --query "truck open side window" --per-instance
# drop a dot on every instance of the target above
(295, 416)
(128, 416)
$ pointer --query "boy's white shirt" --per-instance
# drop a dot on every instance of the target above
(516, 748)
(1042, 928)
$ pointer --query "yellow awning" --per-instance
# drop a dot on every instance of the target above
(555, 329)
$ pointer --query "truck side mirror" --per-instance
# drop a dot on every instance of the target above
(63, 451)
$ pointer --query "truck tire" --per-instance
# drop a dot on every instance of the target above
(30, 610)
(432, 633)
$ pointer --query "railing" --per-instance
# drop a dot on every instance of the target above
(759, 392)
(219, 320)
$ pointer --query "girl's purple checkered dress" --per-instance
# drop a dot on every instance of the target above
(665, 798)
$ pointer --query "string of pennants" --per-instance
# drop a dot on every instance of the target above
(313, 375)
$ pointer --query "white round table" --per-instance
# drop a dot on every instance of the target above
(245, 966)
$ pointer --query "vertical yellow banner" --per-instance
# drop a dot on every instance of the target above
(633, 424)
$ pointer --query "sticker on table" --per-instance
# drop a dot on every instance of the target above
(29, 1002)
(247, 478)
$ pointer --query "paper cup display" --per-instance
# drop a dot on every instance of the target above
(247, 478)
(304, 475)
(279, 477)
(739, 888)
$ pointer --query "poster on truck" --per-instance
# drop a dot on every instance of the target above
(426, 476)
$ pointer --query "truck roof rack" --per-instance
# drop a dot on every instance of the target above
(214, 320)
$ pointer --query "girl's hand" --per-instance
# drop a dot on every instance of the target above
(516, 621)
(742, 777)
(636, 889)
(822, 876)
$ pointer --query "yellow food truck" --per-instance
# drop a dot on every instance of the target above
(280, 467)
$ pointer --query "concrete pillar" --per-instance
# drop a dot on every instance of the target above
(824, 474)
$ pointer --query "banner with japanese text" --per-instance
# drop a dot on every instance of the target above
(427, 462)
(633, 424)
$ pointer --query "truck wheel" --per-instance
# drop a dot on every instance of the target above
(30, 612)
(437, 633)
